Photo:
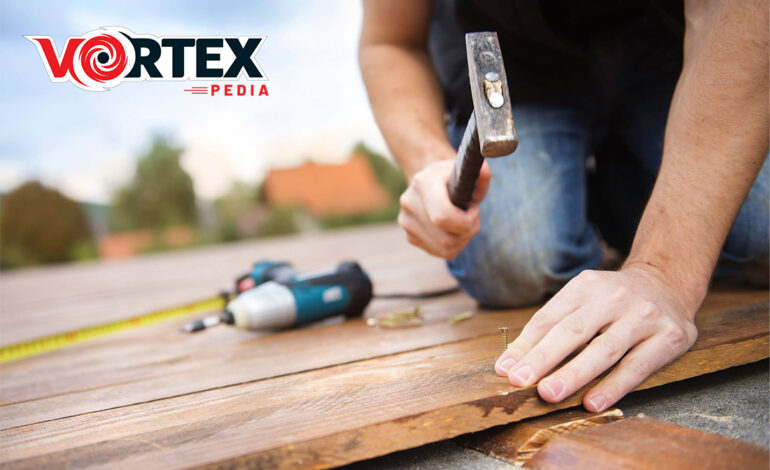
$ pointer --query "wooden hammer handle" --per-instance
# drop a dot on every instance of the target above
(462, 181)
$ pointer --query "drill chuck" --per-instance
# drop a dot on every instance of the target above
(269, 306)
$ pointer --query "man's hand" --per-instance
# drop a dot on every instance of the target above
(632, 312)
(430, 219)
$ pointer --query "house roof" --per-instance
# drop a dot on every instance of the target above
(350, 188)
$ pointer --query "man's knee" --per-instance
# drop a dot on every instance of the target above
(504, 272)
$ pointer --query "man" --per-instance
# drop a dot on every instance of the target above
(595, 88)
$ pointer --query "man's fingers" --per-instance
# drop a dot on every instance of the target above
(431, 239)
(482, 184)
(560, 305)
(638, 364)
(446, 216)
(573, 331)
(600, 354)
(429, 218)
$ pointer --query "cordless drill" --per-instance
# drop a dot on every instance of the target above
(282, 298)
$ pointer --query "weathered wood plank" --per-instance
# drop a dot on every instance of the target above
(144, 367)
(643, 443)
(518, 442)
(88, 294)
(340, 414)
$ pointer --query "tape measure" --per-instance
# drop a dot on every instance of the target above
(61, 340)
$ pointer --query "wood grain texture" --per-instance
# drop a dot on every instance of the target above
(160, 362)
(643, 443)
(343, 413)
(88, 294)
(518, 442)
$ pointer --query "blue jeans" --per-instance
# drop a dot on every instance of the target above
(574, 179)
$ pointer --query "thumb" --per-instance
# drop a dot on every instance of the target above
(482, 184)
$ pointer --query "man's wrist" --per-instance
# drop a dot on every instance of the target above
(690, 290)
(427, 156)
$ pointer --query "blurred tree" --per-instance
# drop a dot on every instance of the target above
(387, 173)
(279, 221)
(41, 225)
(230, 207)
(160, 194)
(388, 213)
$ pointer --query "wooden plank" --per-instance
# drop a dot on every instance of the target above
(162, 363)
(344, 413)
(163, 350)
(43, 301)
(644, 443)
(518, 442)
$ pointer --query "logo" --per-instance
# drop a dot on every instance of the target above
(106, 57)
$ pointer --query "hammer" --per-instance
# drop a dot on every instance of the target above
(490, 131)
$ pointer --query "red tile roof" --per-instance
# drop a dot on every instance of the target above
(350, 188)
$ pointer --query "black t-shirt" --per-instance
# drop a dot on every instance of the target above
(545, 43)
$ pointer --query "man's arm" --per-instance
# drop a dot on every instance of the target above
(716, 140)
(403, 88)
(406, 99)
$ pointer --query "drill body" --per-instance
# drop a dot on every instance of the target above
(301, 298)
(264, 271)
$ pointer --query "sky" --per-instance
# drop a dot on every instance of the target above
(86, 143)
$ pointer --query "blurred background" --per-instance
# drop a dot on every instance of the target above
(145, 167)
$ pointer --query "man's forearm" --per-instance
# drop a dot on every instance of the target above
(406, 100)
(716, 140)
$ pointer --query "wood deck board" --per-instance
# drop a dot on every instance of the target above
(88, 294)
(380, 405)
(320, 396)
(643, 443)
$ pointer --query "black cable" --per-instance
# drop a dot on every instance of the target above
(419, 295)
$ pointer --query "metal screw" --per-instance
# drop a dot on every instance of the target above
(504, 331)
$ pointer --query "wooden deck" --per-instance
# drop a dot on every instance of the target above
(321, 396)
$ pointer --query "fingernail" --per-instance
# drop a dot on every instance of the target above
(507, 363)
(598, 402)
(522, 374)
(555, 387)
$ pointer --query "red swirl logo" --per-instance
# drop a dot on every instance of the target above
(103, 58)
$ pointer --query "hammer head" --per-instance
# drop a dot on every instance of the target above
(491, 101)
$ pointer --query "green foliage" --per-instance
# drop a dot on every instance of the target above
(160, 194)
(279, 221)
(386, 214)
(41, 225)
(238, 200)
(387, 173)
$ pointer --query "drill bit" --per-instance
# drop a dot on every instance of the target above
(201, 324)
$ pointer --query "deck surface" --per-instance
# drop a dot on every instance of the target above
(324, 395)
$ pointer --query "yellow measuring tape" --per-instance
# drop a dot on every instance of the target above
(61, 340)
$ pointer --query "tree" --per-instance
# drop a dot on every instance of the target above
(279, 221)
(41, 225)
(160, 194)
(230, 207)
